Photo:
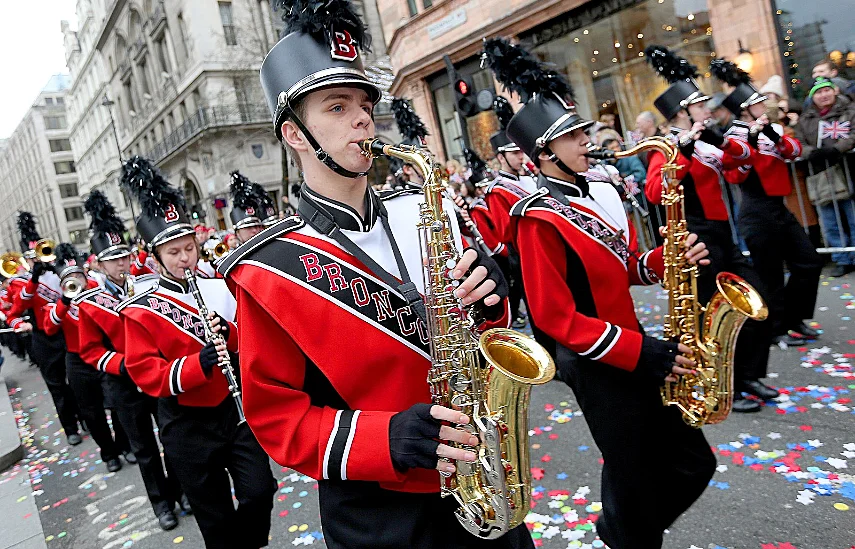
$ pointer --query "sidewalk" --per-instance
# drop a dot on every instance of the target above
(20, 524)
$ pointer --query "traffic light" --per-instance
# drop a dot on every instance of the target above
(464, 93)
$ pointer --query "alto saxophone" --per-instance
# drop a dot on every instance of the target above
(710, 332)
(487, 378)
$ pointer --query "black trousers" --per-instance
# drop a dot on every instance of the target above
(752, 346)
(775, 239)
(136, 410)
(85, 383)
(362, 515)
(122, 443)
(655, 466)
(49, 355)
(206, 446)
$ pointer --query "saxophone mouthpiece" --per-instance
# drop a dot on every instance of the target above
(600, 154)
(373, 147)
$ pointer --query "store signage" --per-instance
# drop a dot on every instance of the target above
(587, 14)
(447, 23)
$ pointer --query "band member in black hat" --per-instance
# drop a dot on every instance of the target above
(349, 411)
(414, 132)
(48, 351)
(579, 256)
(168, 356)
(247, 213)
(770, 230)
(85, 382)
(706, 156)
(512, 167)
(267, 207)
(102, 347)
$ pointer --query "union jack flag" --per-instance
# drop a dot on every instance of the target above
(833, 130)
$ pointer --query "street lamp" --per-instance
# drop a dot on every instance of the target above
(106, 102)
(744, 60)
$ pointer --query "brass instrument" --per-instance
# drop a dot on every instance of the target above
(71, 287)
(710, 332)
(10, 262)
(45, 250)
(217, 338)
(218, 251)
(487, 378)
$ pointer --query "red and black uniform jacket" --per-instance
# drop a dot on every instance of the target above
(59, 316)
(329, 352)
(101, 332)
(143, 264)
(481, 216)
(501, 195)
(579, 256)
(767, 174)
(36, 296)
(701, 176)
(10, 296)
(164, 335)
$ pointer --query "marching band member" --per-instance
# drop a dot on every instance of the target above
(102, 347)
(85, 382)
(167, 356)
(247, 214)
(47, 351)
(770, 230)
(705, 155)
(579, 256)
(349, 411)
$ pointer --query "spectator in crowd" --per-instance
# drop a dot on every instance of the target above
(722, 115)
(773, 89)
(645, 124)
(788, 116)
(232, 241)
(608, 119)
(628, 167)
(605, 133)
(827, 69)
(287, 208)
(454, 170)
(825, 131)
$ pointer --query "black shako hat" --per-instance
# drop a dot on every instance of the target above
(27, 230)
(478, 169)
(744, 93)
(107, 240)
(548, 111)
(162, 217)
(245, 208)
(678, 72)
(500, 140)
(266, 207)
(321, 49)
(68, 261)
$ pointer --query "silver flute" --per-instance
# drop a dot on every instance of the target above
(217, 339)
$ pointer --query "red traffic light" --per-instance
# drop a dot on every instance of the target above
(462, 87)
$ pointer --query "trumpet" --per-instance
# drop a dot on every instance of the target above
(45, 250)
(10, 262)
(71, 287)
(219, 250)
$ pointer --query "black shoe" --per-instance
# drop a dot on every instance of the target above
(74, 439)
(130, 457)
(789, 340)
(184, 504)
(742, 405)
(84, 427)
(838, 270)
(759, 389)
(519, 323)
(114, 465)
(805, 331)
(167, 520)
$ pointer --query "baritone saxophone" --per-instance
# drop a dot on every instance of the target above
(489, 378)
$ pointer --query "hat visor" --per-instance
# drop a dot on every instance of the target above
(754, 99)
(170, 234)
(569, 126)
(71, 269)
(510, 147)
(334, 79)
(114, 252)
(248, 222)
(700, 98)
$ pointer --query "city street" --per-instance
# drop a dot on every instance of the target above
(785, 479)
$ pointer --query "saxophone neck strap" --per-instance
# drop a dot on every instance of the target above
(320, 220)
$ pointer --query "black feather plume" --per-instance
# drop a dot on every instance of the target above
(66, 252)
(670, 66)
(476, 165)
(504, 111)
(409, 123)
(27, 229)
(103, 214)
(262, 199)
(729, 73)
(241, 191)
(520, 72)
(144, 181)
(319, 18)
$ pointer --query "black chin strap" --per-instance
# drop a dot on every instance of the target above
(559, 164)
(323, 155)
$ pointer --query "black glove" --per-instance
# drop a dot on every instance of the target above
(494, 273)
(687, 147)
(712, 135)
(209, 357)
(770, 132)
(122, 370)
(413, 438)
(825, 154)
(225, 329)
(657, 358)
(38, 270)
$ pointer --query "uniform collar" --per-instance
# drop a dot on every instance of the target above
(344, 216)
(114, 289)
(168, 283)
(509, 175)
(559, 187)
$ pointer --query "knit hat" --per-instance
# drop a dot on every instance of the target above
(819, 83)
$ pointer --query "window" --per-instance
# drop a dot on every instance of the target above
(48, 100)
(55, 122)
(413, 8)
(427, 3)
(60, 101)
(64, 167)
(68, 190)
(182, 35)
(59, 145)
(75, 213)
(228, 23)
